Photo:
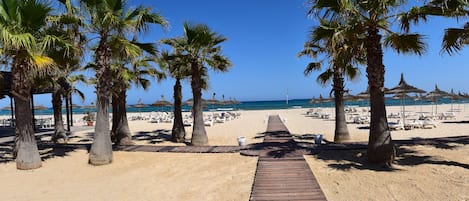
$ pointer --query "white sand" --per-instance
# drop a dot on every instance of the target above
(424, 172)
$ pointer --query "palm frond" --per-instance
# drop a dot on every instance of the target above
(17, 40)
(313, 66)
(454, 39)
(325, 77)
(406, 43)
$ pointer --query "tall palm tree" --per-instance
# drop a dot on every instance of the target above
(105, 19)
(179, 70)
(372, 20)
(202, 47)
(24, 40)
(454, 39)
(342, 54)
(129, 67)
(67, 25)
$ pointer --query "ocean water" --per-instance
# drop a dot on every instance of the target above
(254, 105)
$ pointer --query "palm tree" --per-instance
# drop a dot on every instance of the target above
(24, 41)
(202, 47)
(129, 67)
(370, 20)
(454, 39)
(66, 25)
(179, 70)
(343, 55)
(104, 20)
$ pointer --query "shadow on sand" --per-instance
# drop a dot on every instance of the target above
(45, 151)
(406, 155)
(153, 137)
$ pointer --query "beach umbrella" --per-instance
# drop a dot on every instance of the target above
(418, 97)
(347, 96)
(89, 107)
(162, 103)
(365, 96)
(320, 100)
(40, 108)
(453, 96)
(139, 105)
(401, 91)
(6, 108)
(435, 95)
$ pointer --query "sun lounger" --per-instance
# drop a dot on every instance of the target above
(428, 123)
(396, 125)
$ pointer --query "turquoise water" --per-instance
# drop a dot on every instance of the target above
(254, 105)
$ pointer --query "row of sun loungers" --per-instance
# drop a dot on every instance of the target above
(411, 124)
(168, 117)
(318, 113)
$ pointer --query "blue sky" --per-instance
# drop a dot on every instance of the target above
(264, 37)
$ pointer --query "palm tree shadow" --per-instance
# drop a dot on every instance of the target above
(46, 152)
(345, 160)
(153, 137)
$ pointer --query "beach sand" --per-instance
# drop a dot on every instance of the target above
(421, 172)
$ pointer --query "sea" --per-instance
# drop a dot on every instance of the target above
(257, 105)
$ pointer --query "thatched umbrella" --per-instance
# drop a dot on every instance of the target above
(40, 107)
(453, 96)
(6, 108)
(435, 95)
(401, 90)
(319, 100)
(161, 103)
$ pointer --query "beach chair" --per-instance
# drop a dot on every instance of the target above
(399, 125)
(428, 123)
(208, 122)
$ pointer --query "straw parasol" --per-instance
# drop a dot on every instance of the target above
(139, 105)
(6, 108)
(453, 96)
(401, 91)
(40, 108)
(319, 100)
(161, 103)
(435, 95)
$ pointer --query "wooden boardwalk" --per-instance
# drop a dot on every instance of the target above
(282, 172)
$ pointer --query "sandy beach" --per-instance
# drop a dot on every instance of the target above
(421, 172)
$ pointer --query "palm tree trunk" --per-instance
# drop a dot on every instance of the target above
(199, 135)
(178, 132)
(380, 145)
(120, 133)
(341, 130)
(26, 151)
(101, 149)
(59, 132)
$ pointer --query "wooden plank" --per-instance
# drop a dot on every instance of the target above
(287, 177)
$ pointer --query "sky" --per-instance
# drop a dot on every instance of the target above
(264, 37)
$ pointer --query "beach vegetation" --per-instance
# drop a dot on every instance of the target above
(343, 52)
(372, 20)
(178, 68)
(202, 47)
(454, 39)
(129, 66)
(25, 43)
(66, 25)
(105, 19)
